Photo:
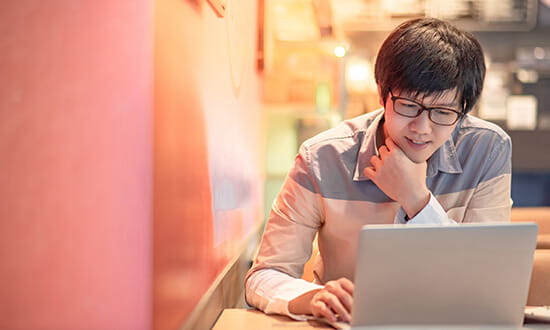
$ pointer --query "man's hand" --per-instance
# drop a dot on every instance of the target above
(332, 302)
(400, 178)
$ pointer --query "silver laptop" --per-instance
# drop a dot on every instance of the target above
(468, 274)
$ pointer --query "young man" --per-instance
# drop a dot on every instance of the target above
(420, 159)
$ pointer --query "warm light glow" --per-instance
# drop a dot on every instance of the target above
(358, 74)
(539, 53)
(339, 51)
(527, 76)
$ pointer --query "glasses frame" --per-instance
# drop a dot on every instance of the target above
(423, 108)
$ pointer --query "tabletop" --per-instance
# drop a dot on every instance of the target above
(254, 319)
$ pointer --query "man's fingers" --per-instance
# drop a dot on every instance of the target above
(334, 300)
(347, 285)
(370, 173)
(395, 149)
(342, 300)
(390, 144)
(321, 309)
(336, 304)
(375, 161)
(383, 151)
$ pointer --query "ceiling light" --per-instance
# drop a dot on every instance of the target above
(339, 51)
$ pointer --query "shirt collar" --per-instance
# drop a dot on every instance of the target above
(444, 159)
(368, 147)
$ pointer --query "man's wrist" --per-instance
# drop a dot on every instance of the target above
(301, 305)
(415, 205)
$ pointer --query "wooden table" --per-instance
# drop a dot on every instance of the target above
(253, 319)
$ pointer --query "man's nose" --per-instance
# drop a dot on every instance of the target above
(421, 124)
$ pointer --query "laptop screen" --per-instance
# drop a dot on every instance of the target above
(450, 275)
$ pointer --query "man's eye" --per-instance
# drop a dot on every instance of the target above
(443, 112)
(409, 105)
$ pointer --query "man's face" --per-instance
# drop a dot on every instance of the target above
(419, 137)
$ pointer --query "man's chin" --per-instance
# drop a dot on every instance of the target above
(418, 158)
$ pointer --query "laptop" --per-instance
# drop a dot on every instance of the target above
(457, 275)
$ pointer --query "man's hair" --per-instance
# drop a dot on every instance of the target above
(428, 56)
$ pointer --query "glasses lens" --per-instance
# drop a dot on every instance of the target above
(443, 116)
(406, 108)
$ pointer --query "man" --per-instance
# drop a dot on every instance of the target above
(421, 159)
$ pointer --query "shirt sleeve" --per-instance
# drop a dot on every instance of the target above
(270, 291)
(275, 276)
(491, 200)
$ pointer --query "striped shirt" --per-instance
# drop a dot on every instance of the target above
(326, 193)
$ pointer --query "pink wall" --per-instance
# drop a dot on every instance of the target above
(76, 164)
(183, 226)
(208, 148)
(130, 131)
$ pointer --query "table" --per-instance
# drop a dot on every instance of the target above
(254, 319)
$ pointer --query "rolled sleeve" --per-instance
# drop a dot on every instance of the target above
(271, 291)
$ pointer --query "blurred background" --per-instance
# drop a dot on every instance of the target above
(142, 142)
(319, 58)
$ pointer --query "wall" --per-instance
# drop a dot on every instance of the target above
(76, 164)
(124, 122)
(208, 149)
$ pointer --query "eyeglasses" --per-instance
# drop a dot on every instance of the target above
(412, 109)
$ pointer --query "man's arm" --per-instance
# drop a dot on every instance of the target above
(400, 178)
(273, 284)
(275, 277)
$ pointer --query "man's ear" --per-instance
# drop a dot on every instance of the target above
(380, 98)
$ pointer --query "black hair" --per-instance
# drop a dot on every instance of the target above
(427, 56)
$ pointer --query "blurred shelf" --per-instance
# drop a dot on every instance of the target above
(471, 15)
